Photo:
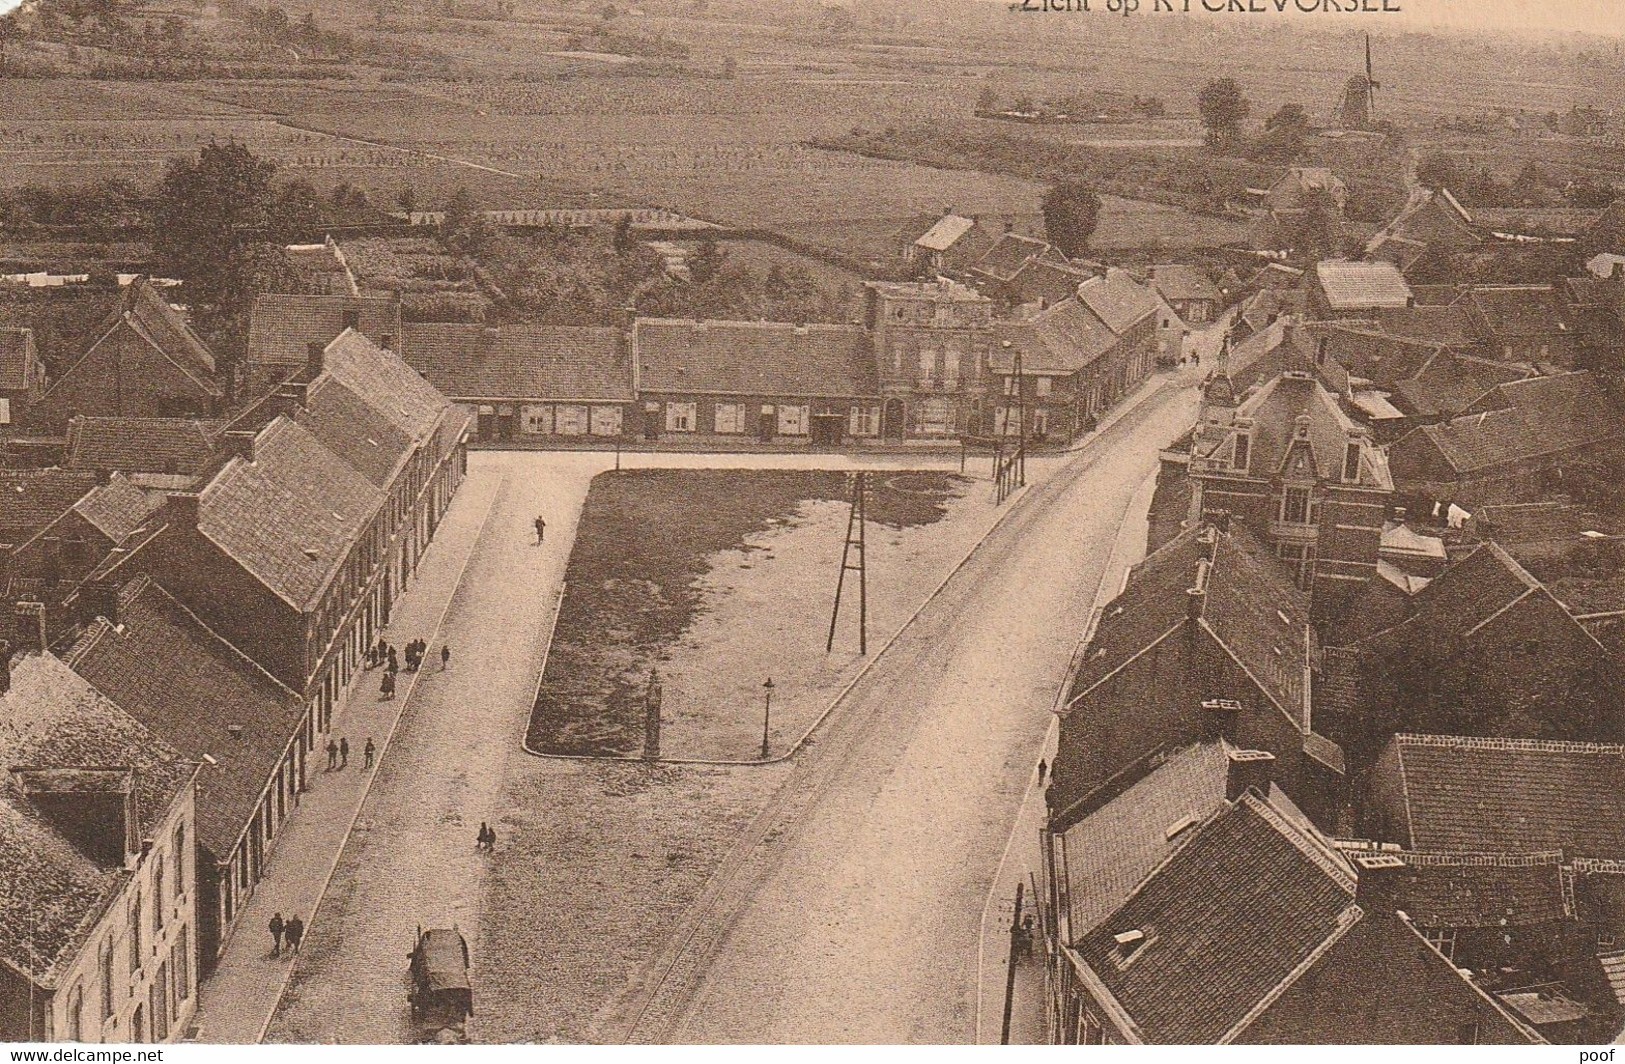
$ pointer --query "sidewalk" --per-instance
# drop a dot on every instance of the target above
(236, 1003)
(1022, 859)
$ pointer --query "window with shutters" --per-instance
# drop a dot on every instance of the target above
(865, 420)
(730, 417)
(606, 421)
(680, 417)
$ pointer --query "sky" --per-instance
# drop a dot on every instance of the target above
(1596, 16)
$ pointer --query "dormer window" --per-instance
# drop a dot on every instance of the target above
(1297, 507)
(1130, 945)
(1351, 462)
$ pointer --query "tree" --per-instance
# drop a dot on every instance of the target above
(209, 220)
(623, 234)
(1437, 171)
(1024, 104)
(1223, 109)
(706, 262)
(1071, 211)
(465, 227)
(1286, 133)
(987, 100)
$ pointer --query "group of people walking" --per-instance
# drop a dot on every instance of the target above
(487, 838)
(338, 754)
(384, 654)
(290, 931)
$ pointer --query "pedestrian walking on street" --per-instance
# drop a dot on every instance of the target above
(332, 755)
(1042, 770)
(479, 840)
(386, 686)
(344, 752)
(394, 662)
(367, 753)
(276, 934)
(541, 529)
(295, 930)
(445, 656)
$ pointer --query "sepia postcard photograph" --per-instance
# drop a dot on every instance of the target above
(568, 523)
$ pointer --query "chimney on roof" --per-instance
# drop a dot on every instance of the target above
(99, 598)
(352, 318)
(28, 624)
(239, 442)
(5, 666)
(1248, 770)
(181, 508)
(315, 358)
(1410, 302)
(1195, 603)
(1381, 879)
(386, 341)
(1208, 539)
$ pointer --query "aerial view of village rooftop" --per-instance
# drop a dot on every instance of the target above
(573, 522)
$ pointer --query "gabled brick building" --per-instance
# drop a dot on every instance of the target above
(1519, 441)
(1483, 649)
(202, 696)
(1199, 906)
(1288, 462)
(528, 381)
(144, 361)
(296, 547)
(98, 925)
(1209, 639)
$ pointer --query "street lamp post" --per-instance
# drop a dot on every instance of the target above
(767, 712)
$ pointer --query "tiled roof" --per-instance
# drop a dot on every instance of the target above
(381, 380)
(1063, 339)
(145, 311)
(1275, 410)
(353, 430)
(118, 507)
(1362, 285)
(1450, 383)
(1178, 282)
(1529, 419)
(1011, 252)
(1529, 522)
(1546, 221)
(753, 358)
(53, 893)
(188, 686)
(30, 499)
(1049, 282)
(1118, 300)
(290, 516)
(1112, 849)
(945, 232)
(283, 327)
(1520, 312)
(1229, 918)
(1474, 795)
(16, 356)
(1453, 890)
(1366, 351)
(1251, 607)
(140, 444)
(521, 362)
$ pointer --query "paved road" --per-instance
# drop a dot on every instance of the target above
(854, 917)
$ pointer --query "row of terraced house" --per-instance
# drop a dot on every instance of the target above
(931, 361)
(188, 597)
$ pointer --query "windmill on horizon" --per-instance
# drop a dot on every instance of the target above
(1360, 95)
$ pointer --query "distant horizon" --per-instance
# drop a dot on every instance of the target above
(1603, 18)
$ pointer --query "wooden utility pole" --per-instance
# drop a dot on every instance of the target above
(856, 521)
(651, 718)
(1010, 972)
